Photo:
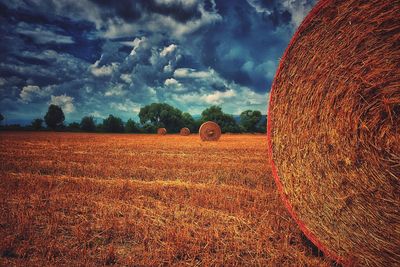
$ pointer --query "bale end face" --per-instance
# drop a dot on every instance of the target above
(161, 131)
(334, 130)
(185, 131)
(210, 131)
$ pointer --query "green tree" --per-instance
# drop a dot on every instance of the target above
(37, 124)
(262, 126)
(225, 121)
(88, 124)
(131, 127)
(113, 124)
(213, 113)
(1, 118)
(149, 128)
(100, 127)
(189, 122)
(74, 126)
(250, 120)
(162, 115)
(54, 117)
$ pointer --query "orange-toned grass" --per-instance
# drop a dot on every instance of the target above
(97, 199)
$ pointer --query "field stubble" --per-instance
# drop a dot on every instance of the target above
(101, 199)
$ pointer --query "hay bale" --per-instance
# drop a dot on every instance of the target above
(210, 131)
(161, 131)
(334, 130)
(185, 131)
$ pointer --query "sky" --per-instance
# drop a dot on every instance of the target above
(101, 57)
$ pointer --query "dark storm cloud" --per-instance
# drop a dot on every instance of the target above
(99, 57)
(282, 11)
(244, 47)
(181, 11)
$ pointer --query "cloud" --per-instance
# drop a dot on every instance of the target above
(191, 73)
(103, 57)
(115, 91)
(215, 90)
(178, 18)
(45, 67)
(137, 44)
(171, 82)
(42, 35)
(97, 114)
(3, 81)
(63, 101)
(123, 18)
(30, 92)
(126, 106)
(292, 11)
(174, 85)
(298, 9)
(233, 101)
(99, 71)
(217, 97)
(126, 77)
(265, 69)
(168, 49)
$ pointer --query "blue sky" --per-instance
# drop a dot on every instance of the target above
(99, 57)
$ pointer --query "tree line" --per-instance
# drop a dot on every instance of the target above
(151, 117)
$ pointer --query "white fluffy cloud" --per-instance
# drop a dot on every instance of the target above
(233, 101)
(137, 44)
(116, 90)
(233, 98)
(174, 85)
(126, 106)
(168, 49)
(63, 101)
(30, 92)
(97, 114)
(299, 9)
(126, 77)
(103, 70)
(217, 97)
(192, 73)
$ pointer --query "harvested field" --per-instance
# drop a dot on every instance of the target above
(102, 199)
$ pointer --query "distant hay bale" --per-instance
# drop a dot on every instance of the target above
(334, 130)
(210, 131)
(161, 131)
(185, 131)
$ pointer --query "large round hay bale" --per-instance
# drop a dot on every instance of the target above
(185, 131)
(210, 131)
(161, 131)
(334, 130)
